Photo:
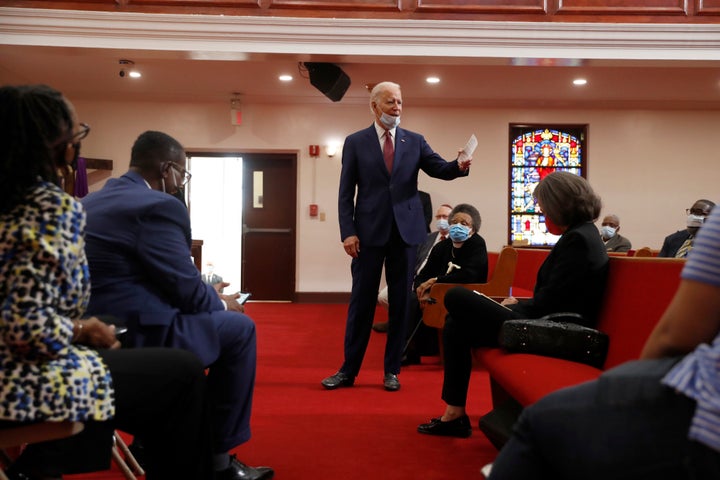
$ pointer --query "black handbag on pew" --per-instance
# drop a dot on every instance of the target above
(556, 335)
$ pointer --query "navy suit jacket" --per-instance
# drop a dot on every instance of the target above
(673, 242)
(370, 198)
(138, 247)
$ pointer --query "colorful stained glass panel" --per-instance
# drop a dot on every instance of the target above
(534, 154)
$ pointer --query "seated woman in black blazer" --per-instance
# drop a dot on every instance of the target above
(571, 279)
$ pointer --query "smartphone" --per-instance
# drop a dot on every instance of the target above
(121, 333)
(120, 330)
(243, 297)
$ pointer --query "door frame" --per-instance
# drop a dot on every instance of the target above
(267, 156)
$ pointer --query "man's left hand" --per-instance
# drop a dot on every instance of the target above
(232, 303)
(464, 165)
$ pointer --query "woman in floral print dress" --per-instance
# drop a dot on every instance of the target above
(54, 364)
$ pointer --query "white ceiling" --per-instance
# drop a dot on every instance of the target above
(84, 71)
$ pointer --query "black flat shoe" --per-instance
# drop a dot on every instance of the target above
(338, 380)
(239, 471)
(391, 382)
(380, 327)
(460, 427)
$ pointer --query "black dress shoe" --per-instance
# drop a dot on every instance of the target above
(239, 471)
(338, 380)
(391, 382)
(380, 327)
(460, 427)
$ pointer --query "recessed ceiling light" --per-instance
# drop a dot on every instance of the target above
(134, 74)
(285, 78)
(579, 81)
(432, 80)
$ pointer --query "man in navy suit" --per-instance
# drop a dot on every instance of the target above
(138, 246)
(680, 243)
(442, 215)
(383, 224)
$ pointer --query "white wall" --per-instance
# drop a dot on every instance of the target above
(648, 166)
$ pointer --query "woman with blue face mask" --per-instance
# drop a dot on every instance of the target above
(460, 258)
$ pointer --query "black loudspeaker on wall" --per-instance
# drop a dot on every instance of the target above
(329, 79)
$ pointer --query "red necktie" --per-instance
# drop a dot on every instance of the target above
(388, 151)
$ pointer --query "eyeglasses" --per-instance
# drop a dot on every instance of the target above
(186, 176)
(84, 131)
(696, 211)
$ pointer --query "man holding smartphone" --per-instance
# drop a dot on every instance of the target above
(138, 246)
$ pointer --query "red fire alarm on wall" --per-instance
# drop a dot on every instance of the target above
(314, 150)
(313, 210)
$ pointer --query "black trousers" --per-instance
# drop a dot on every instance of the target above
(160, 394)
(472, 321)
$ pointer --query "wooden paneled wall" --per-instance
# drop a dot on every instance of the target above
(604, 11)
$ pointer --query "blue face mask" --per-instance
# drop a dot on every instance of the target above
(459, 232)
(442, 225)
(389, 121)
(607, 231)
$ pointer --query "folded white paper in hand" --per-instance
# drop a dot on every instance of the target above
(468, 149)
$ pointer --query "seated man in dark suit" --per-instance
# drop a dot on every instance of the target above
(609, 231)
(461, 258)
(680, 243)
(138, 246)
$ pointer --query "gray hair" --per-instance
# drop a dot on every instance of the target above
(567, 199)
(613, 217)
(378, 89)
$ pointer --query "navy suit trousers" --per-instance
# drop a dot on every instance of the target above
(399, 260)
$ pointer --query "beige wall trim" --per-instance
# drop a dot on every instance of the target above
(227, 37)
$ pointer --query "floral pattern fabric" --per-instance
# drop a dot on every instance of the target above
(44, 285)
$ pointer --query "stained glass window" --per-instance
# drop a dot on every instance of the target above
(537, 151)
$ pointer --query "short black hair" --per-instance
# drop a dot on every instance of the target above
(707, 202)
(36, 124)
(151, 149)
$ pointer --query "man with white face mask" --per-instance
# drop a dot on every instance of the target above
(382, 223)
(680, 243)
(138, 247)
(614, 242)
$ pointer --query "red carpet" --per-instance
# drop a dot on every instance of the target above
(363, 432)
